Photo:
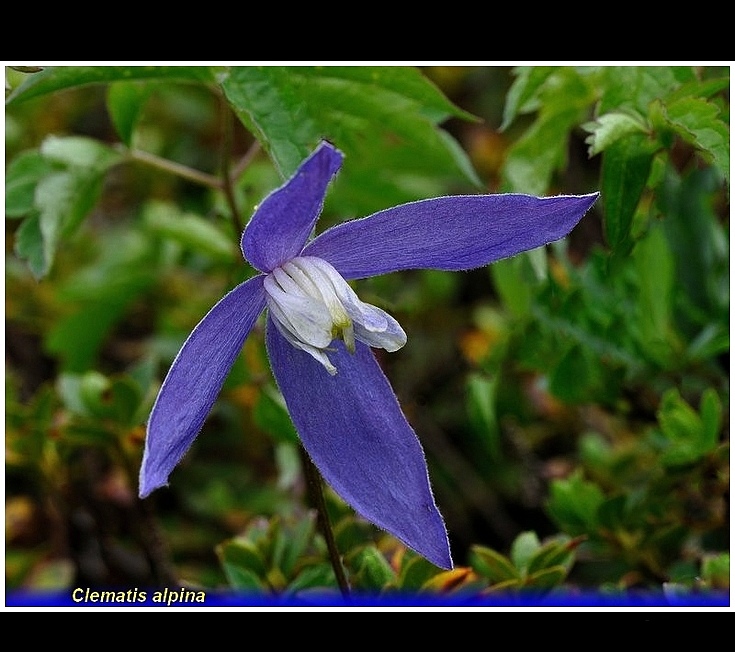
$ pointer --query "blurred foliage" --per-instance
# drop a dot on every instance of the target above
(573, 401)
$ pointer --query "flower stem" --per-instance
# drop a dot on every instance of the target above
(316, 494)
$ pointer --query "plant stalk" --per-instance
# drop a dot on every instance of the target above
(316, 495)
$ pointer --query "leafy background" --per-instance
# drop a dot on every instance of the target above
(573, 401)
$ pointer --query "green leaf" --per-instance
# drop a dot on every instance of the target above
(372, 572)
(125, 101)
(523, 93)
(100, 294)
(697, 121)
(29, 246)
(573, 504)
(710, 410)
(190, 230)
(21, 177)
(655, 266)
(524, 547)
(559, 552)
(565, 99)
(317, 576)
(611, 127)
(491, 564)
(53, 79)
(242, 579)
(573, 378)
(635, 87)
(93, 394)
(517, 278)
(547, 578)
(625, 168)
(415, 572)
(271, 415)
(242, 553)
(716, 571)
(481, 393)
(363, 110)
(690, 436)
(698, 242)
(62, 196)
(80, 152)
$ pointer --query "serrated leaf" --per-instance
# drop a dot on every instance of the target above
(125, 101)
(21, 177)
(635, 87)
(523, 93)
(56, 78)
(611, 127)
(697, 121)
(565, 99)
(363, 110)
(192, 231)
(625, 168)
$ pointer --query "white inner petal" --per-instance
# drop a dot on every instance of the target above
(311, 304)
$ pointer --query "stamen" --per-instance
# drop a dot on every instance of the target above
(311, 304)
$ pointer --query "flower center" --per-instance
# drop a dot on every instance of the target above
(311, 305)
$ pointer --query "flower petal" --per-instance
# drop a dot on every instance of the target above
(284, 220)
(353, 428)
(449, 233)
(195, 379)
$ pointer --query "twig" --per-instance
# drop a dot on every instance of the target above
(176, 168)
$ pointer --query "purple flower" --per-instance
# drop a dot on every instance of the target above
(319, 335)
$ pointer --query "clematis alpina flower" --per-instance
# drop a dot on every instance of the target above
(319, 335)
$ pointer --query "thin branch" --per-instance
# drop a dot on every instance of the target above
(243, 163)
(176, 168)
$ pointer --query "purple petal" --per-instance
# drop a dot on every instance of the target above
(285, 219)
(353, 428)
(195, 379)
(450, 233)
